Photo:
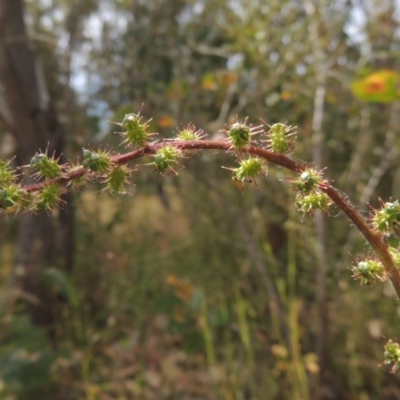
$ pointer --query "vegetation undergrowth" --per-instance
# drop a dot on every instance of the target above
(256, 152)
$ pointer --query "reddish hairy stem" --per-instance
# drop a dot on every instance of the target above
(372, 236)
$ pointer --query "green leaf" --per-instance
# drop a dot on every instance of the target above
(55, 277)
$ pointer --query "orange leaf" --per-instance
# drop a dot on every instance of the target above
(165, 121)
(286, 95)
(182, 288)
(378, 87)
(209, 82)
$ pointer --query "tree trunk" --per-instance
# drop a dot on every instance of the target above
(43, 240)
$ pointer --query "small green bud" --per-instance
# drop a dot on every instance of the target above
(281, 138)
(249, 169)
(7, 175)
(392, 355)
(308, 180)
(387, 218)
(96, 162)
(189, 134)
(166, 158)
(240, 134)
(49, 197)
(87, 154)
(135, 134)
(116, 180)
(46, 167)
(368, 271)
(310, 202)
(13, 196)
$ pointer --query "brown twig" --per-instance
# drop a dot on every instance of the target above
(374, 237)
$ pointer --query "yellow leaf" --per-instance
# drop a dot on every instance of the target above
(209, 82)
(286, 95)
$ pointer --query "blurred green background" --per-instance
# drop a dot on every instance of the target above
(191, 287)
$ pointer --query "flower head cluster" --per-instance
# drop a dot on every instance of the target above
(309, 196)
(368, 271)
(249, 169)
(308, 180)
(47, 167)
(7, 175)
(136, 134)
(392, 355)
(240, 134)
(166, 159)
(13, 196)
(387, 218)
(49, 198)
(117, 179)
(96, 161)
(313, 201)
(189, 133)
(281, 138)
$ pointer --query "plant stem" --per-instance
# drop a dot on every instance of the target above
(371, 235)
